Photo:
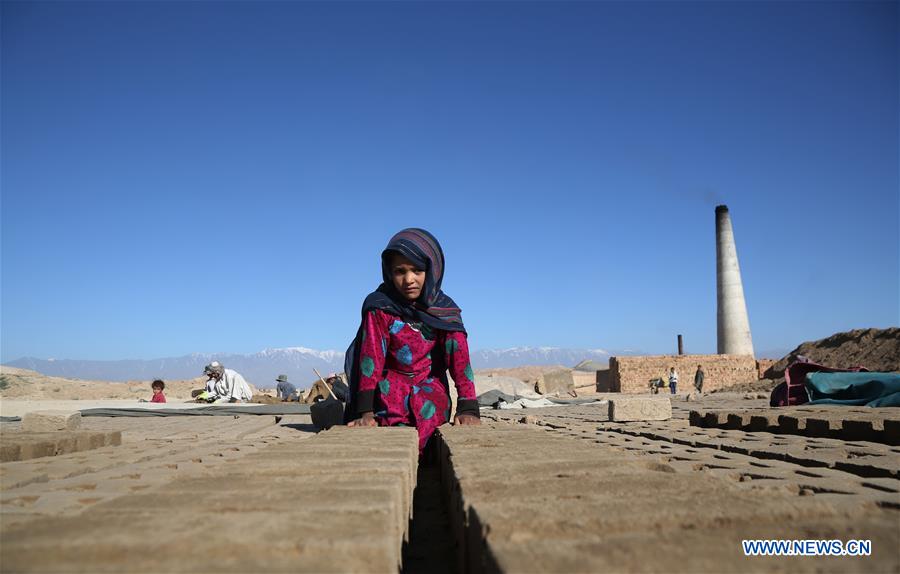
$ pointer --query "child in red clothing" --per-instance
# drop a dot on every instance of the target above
(158, 396)
(411, 334)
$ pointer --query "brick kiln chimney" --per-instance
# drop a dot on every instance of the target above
(733, 325)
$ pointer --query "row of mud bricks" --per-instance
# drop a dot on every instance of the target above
(24, 446)
(523, 499)
(52, 433)
(881, 425)
(338, 502)
(520, 499)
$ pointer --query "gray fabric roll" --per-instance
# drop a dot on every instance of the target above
(211, 410)
(487, 399)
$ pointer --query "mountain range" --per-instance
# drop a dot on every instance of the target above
(297, 363)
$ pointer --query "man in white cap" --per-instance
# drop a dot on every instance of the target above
(226, 384)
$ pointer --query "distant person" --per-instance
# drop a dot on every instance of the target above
(284, 390)
(698, 379)
(673, 380)
(225, 384)
(158, 396)
(410, 334)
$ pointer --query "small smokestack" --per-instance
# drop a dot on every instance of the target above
(680, 345)
(733, 324)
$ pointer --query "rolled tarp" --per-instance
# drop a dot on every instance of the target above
(209, 410)
(863, 388)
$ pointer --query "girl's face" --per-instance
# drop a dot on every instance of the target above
(408, 279)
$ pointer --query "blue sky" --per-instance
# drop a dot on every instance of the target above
(221, 177)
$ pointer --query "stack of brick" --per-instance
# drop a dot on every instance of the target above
(633, 374)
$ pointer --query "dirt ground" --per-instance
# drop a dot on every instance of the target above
(22, 384)
(30, 385)
(760, 386)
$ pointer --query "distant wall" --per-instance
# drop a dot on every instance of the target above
(633, 374)
(763, 365)
(584, 379)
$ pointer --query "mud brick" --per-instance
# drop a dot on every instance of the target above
(696, 418)
(892, 431)
(714, 418)
(48, 421)
(735, 446)
(9, 452)
(869, 467)
(789, 424)
(860, 430)
(737, 421)
(763, 423)
(643, 409)
(37, 449)
(818, 427)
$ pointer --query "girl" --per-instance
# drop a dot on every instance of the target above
(158, 396)
(411, 333)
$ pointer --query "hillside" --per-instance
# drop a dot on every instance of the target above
(874, 349)
(260, 369)
(24, 384)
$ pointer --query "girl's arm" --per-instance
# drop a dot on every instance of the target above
(457, 351)
(371, 359)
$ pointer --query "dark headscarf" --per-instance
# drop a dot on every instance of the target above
(433, 307)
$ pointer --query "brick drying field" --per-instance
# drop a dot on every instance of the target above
(559, 489)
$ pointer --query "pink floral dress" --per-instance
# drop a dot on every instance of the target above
(396, 378)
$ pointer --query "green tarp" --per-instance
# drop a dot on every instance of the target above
(869, 389)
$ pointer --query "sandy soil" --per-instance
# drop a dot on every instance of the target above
(528, 374)
(23, 384)
(30, 385)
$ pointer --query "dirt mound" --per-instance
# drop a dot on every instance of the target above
(874, 349)
(760, 386)
(529, 374)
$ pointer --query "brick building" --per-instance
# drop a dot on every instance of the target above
(633, 374)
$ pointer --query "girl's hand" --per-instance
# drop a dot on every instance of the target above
(366, 420)
(466, 420)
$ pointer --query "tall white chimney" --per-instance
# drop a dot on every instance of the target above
(733, 325)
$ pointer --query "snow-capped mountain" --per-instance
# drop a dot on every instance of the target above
(297, 363)
(260, 368)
